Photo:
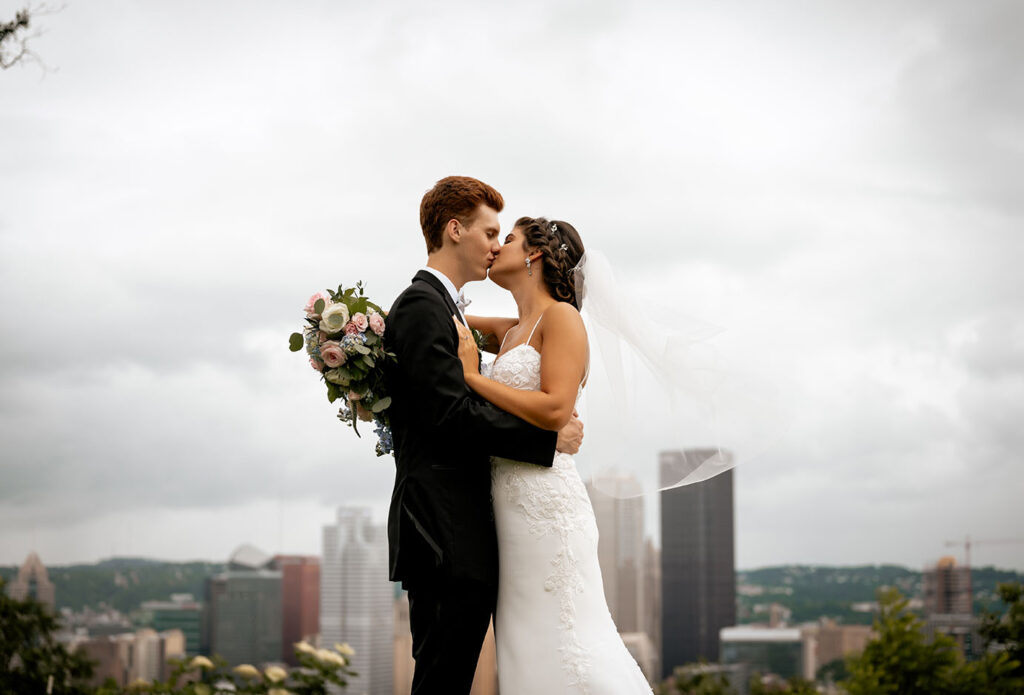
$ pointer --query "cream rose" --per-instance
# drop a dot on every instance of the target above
(344, 649)
(334, 318)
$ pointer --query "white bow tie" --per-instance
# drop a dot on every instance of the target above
(462, 302)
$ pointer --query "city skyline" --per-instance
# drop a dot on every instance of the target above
(837, 188)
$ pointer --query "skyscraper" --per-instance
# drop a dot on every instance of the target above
(619, 510)
(356, 597)
(300, 601)
(33, 582)
(698, 567)
(949, 605)
(244, 609)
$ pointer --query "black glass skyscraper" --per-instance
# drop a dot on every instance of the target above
(698, 566)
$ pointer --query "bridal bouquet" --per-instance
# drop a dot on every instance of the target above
(344, 343)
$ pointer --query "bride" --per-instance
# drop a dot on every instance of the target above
(554, 633)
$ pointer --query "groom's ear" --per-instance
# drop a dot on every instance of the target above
(453, 230)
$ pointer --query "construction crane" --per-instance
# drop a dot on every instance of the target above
(967, 542)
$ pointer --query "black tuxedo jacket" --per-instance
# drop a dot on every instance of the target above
(441, 524)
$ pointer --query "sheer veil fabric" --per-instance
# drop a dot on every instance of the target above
(660, 380)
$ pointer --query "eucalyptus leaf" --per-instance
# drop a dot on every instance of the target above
(295, 342)
(382, 404)
(319, 306)
(333, 392)
(362, 349)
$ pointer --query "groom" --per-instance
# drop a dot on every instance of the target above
(443, 546)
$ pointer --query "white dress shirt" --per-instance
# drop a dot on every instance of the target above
(450, 286)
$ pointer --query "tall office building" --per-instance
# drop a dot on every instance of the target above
(33, 582)
(300, 596)
(183, 613)
(698, 567)
(244, 609)
(356, 597)
(619, 509)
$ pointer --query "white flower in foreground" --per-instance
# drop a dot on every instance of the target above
(279, 691)
(200, 662)
(275, 674)
(345, 649)
(305, 647)
(334, 318)
(247, 671)
(138, 684)
(329, 657)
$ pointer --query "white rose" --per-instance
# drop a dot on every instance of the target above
(334, 318)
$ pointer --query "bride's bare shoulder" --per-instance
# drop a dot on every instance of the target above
(563, 315)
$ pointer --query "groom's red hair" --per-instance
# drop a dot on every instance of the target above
(454, 197)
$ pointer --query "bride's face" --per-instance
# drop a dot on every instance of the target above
(510, 261)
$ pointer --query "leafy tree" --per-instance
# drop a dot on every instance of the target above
(30, 656)
(791, 686)
(833, 672)
(13, 43)
(696, 679)
(901, 660)
(1006, 632)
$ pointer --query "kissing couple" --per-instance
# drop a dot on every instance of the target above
(488, 514)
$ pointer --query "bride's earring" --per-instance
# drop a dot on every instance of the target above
(529, 270)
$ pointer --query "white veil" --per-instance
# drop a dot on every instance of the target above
(662, 407)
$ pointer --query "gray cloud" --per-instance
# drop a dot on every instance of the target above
(837, 187)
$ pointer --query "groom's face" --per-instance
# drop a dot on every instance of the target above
(479, 242)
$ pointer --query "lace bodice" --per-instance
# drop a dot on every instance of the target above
(518, 368)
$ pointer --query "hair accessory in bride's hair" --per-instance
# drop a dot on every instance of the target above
(553, 228)
(563, 248)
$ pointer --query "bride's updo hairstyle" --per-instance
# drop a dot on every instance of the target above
(561, 248)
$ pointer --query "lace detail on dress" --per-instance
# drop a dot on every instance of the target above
(553, 501)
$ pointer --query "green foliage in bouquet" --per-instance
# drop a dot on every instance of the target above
(344, 341)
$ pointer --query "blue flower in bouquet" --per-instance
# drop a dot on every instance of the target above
(349, 342)
(385, 442)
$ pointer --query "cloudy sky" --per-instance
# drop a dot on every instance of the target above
(840, 185)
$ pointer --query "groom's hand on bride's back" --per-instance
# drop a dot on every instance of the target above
(571, 436)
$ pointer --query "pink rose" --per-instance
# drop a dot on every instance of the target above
(377, 324)
(332, 354)
(316, 364)
(360, 322)
(351, 328)
(353, 396)
(311, 304)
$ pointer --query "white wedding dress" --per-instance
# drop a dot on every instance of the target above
(553, 631)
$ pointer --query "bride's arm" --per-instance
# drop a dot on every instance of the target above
(494, 329)
(561, 370)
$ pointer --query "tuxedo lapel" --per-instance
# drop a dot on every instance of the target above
(431, 279)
